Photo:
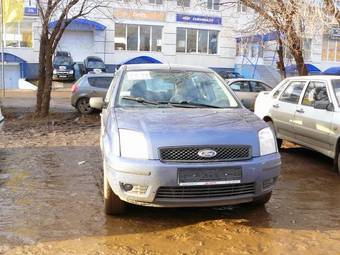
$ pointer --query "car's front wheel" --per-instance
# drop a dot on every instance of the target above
(112, 203)
(261, 200)
(83, 106)
(279, 141)
(337, 162)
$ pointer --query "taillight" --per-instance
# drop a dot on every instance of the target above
(74, 88)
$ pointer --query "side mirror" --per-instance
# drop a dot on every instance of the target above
(97, 102)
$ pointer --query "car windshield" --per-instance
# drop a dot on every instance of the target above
(162, 88)
(97, 64)
(62, 60)
(336, 87)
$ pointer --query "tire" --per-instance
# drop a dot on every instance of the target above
(112, 203)
(83, 106)
(279, 141)
(262, 200)
(337, 162)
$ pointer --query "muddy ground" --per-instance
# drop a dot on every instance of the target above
(51, 200)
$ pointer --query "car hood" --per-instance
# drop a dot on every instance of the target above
(192, 126)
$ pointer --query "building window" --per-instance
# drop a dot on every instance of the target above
(307, 49)
(241, 7)
(156, 1)
(18, 35)
(183, 3)
(330, 49)
(196, 41)
(213, 4)
(138, 37)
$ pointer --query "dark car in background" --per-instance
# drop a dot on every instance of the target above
(63, 66)
(229, 74)
(89, 85)
(94, 64)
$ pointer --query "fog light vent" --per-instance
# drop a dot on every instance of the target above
(269, 183)
(134, 189)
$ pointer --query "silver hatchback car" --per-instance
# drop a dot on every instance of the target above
(306, 111)
(176, 136)
(89, 85)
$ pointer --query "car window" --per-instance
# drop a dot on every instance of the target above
(95, 64)
(336, 88)
(279, 89)
(165, 88)
(100, 82)
(293, 92)
(240, 86)
(258, 86)
(316, 91)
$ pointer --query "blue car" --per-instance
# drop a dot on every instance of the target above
(177, 136)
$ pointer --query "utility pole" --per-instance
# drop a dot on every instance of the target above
(2, 52)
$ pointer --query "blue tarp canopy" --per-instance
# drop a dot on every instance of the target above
(310, 68)
(141, 60)
(335, 70)
(272, 36)
(80, 25)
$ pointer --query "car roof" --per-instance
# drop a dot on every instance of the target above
(313, 77)
(166, 67)
(98, 75)
(93, 57)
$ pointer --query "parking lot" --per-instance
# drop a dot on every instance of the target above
(51, 199)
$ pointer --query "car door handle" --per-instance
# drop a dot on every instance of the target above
(276, 105)
(300, 111)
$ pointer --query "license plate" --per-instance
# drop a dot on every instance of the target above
(209, 176)
(62, 76)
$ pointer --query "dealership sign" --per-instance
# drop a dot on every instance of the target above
(198, 19)
(138, 15)
(30, 8)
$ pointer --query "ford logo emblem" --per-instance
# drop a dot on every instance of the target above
(207, 153)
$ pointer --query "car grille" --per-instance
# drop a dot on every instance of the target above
(190, 154)
(209, 191)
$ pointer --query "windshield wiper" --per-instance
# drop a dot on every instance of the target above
(189, 104)
(141, 100)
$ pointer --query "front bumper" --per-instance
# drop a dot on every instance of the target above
(147, 176)
(63, 77)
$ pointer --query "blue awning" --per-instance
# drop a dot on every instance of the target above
(10, 58)
(81, 25)
(335, 70)
(310, 68)
(141, 60)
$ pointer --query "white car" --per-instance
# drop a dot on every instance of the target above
(305, 111)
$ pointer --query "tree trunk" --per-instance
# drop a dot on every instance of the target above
(42, 72)
(281, 57)
(300, 62)
(46, 96)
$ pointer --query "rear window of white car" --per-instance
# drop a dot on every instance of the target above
(336, 87)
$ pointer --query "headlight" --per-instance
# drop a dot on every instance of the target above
(70, 72)
(55, 71)
(133, 144)
(267, 141)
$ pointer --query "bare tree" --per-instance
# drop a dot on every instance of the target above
(294, 20)
(63, 12)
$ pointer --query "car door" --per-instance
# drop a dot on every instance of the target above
(243, 91)
(283, 109)
(313, 126)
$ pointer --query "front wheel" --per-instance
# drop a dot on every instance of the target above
(337, 162)
(262, 200)
(112, 203)
(278, 140)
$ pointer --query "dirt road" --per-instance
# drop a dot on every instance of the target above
(51, 202)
